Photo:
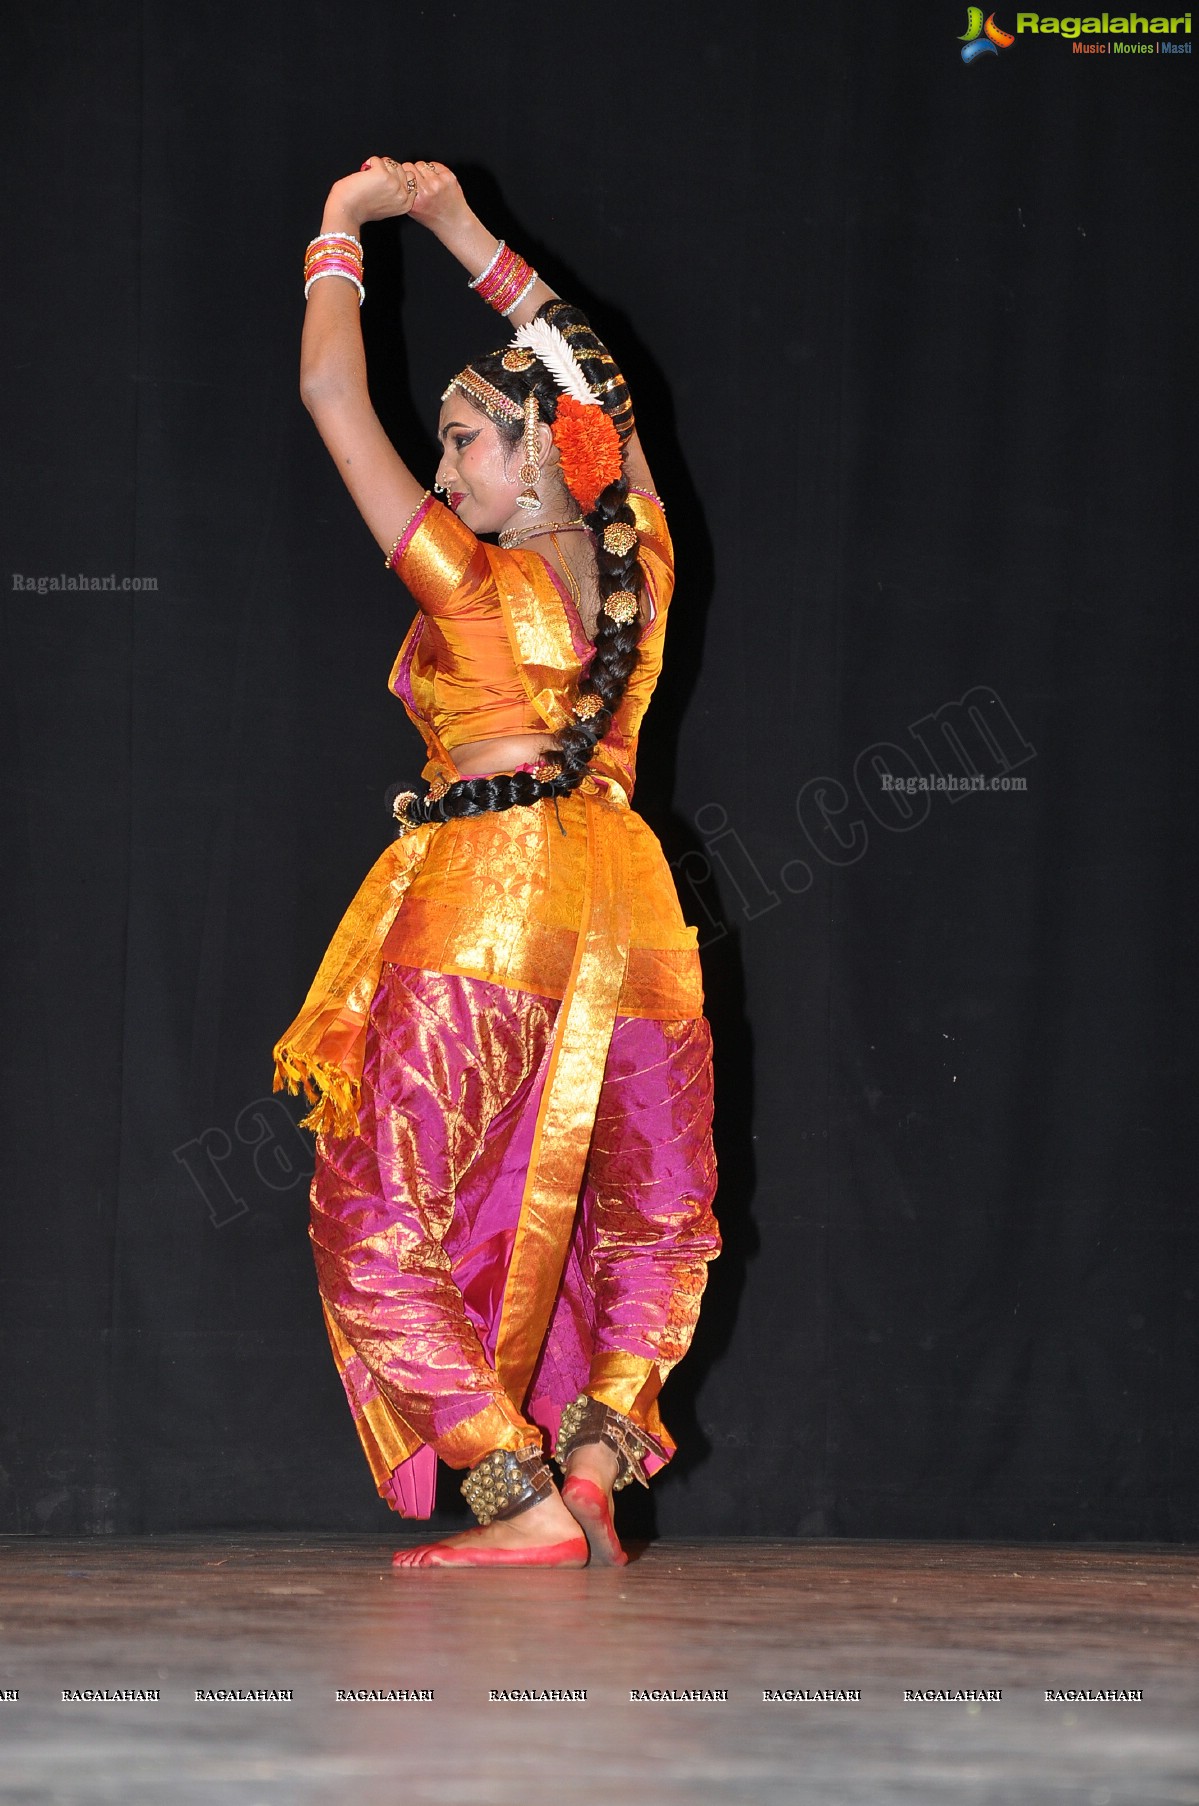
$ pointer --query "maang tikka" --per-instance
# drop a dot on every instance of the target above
(530, 470)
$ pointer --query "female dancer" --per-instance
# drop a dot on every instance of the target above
(505, 1046)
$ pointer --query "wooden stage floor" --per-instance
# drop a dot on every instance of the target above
(312, 1615)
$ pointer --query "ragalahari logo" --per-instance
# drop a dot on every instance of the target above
(982, 37)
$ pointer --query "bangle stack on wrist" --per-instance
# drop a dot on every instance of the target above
(334, 254)
(506, 280)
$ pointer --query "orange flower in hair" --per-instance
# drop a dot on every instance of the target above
(589, 448)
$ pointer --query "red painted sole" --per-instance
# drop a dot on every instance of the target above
(588, 1506)
(570, 1554)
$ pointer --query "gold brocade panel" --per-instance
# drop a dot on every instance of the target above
(499, 896)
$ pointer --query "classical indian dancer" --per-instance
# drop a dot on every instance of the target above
(505, 1046)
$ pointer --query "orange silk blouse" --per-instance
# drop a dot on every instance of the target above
(498, 646)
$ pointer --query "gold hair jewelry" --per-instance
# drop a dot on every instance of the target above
(476, 388)
(399, 808)
(622, 606)
(530, 470)
(619, 538)
(519, 357)
(588, 706)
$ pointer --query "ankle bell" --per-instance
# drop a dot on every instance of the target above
(507, 1482)
(588, 1421)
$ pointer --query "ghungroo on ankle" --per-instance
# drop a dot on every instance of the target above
(507, 1482)
(587, 1420)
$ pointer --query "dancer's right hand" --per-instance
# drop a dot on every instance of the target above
(381, 189)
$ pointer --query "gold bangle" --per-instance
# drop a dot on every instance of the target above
(517, 299)
(504, 290)
(335, 257)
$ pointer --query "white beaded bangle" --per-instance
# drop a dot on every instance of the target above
(344, 274)
(324, 238)
(513, 305)
(484, 274)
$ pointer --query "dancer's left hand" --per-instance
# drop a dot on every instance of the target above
(439, 203)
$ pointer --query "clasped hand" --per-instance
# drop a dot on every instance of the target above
(386, 189)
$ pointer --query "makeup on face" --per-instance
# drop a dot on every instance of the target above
(478, 467)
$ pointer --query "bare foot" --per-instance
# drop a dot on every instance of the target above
(587, 1492)
(546, 1536)
(596, 1462)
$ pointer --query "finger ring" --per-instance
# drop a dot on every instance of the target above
(411, 185)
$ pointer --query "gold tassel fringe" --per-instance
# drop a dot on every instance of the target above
(334, 1096)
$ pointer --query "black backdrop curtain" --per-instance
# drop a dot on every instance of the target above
(910, 341)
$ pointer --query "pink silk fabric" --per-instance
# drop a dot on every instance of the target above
(413, 1216)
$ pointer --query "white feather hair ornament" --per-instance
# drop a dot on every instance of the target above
(552, 349)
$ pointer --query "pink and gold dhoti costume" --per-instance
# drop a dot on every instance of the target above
(509, 1060)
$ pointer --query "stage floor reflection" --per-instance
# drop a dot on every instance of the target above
(272, 1670)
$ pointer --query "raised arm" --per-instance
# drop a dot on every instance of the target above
(441, 205)
(333, 381)
(333, 366)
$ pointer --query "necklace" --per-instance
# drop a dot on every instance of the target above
(516, 536)
(576, 594)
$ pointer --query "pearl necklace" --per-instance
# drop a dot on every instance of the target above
(516, 536)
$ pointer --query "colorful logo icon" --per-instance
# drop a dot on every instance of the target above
(983, 37)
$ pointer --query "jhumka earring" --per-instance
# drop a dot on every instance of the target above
(530, 470)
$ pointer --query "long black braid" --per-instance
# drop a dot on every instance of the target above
(615, 642)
